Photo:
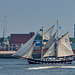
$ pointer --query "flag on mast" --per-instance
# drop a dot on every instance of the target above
(59, 27)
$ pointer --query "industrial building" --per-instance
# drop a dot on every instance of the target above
(20, 38)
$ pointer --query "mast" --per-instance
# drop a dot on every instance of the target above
(57, 29)
(42, 43)
(56, 52)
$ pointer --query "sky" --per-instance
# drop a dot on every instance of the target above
(25, 16)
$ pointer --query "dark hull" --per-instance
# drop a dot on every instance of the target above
(35, 61)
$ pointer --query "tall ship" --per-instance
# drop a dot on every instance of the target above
(58, 49)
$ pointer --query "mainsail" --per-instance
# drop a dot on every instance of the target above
(50, 51)
(64, 48)
(47, 34)
(27, 46)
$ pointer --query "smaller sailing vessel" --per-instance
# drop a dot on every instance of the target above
(59, 50)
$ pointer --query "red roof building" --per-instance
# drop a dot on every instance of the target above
(21, 38)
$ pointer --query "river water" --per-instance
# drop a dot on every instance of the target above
(21, 67)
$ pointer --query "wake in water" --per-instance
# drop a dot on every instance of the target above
(49, 67)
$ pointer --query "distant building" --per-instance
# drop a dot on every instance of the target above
(5, 42)
(72, 39)
(73, 47)
(20, 38)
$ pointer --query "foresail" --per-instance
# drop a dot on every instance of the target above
(26, 47)
(28, 53)
(64, 48)
(50, 41)
(47, 34)
(50, 51)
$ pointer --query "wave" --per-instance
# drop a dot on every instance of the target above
(1, 67)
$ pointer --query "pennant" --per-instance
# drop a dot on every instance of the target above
(59, 27)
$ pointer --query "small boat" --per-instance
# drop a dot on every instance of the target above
(58, 49)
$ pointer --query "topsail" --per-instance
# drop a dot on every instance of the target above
(47, 34)
(50, 41)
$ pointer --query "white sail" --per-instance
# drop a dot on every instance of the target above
(50, 51)
(26, 47)
(47, 34)
(64, 48)
(28, 53)
(49, 43)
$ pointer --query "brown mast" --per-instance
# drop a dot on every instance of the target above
(42, 44)
(57, 29)
(57, 40)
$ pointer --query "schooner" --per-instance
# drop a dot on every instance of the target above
(59, 49)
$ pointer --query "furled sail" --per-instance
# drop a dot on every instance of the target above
(50, 51)
(26, 47)
(64, 48)
(47, 34)
(50, 41)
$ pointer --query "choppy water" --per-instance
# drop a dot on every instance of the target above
(21, 67)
